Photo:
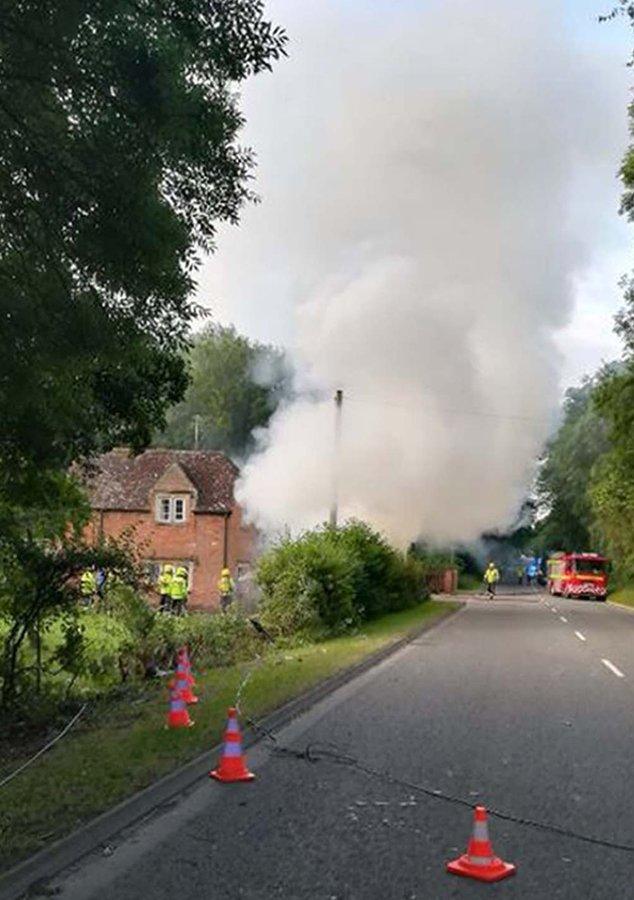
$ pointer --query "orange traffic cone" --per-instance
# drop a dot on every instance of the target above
(183, 686)
(183, 657)
(182, 674)
(479, 861)
(178, 717)
(233, 764)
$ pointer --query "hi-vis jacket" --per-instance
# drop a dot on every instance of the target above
(178, 587)
(491, 575)
(88, 583)
(165, 582)
(226, 585)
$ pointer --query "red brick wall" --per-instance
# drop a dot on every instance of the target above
(199, 540)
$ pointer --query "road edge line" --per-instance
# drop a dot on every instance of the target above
(620, 606)
(49, 862)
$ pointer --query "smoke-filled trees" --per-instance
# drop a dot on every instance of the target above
(235, 386)
(612, 492)
(562, 485)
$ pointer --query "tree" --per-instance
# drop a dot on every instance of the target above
(612, 492)
(118, 154)
(42, 555)
(564, 478)
(235, 386)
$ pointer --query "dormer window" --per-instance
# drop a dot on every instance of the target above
(171, 509)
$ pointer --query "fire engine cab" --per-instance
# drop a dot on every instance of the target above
(578, 575)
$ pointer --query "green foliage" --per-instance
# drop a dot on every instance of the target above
(90, 651)
(565, 475)
(146, 638)
(329, 580)
(119, 124)
(379, 572)
(118, 129)
(308, 586)
(612, 492)
(39, 589)
(235, 385)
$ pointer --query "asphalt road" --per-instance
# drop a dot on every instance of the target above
(504, 704)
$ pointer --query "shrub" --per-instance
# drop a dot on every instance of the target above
(330, 579)
(308, 587)
(379, 574)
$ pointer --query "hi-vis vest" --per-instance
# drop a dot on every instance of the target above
(178, 588)
(88, 583)
(225, 585)
(165, 582)
(491, 575)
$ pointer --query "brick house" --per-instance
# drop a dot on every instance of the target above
(181, 507)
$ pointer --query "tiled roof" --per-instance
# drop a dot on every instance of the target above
(118, 481)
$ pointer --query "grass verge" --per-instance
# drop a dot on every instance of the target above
(122, 746)
(624, 596)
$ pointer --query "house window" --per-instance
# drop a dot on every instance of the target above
(164, 510)
(171, 510)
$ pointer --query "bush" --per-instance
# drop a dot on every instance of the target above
(382, 578)
(308, 586)
(329, 580)
(213, 639)
(97, 648)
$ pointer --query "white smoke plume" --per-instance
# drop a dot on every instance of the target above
(419, 198)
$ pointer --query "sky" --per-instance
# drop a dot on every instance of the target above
(254, 280)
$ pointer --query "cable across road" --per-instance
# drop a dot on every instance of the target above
(323, 752)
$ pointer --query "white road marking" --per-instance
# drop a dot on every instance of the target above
(580, 636)
(609, 665)
(563, 618)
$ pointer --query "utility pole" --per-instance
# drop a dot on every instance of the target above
(196, 431)
(334, 509)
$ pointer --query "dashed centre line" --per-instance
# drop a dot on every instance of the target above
(563, 618)
(610, 665)
(581, 637)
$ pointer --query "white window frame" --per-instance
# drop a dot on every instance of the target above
(171, 509)
(178, 508)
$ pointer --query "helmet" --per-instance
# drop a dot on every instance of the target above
(181, 570)
(168, 568)
(225, 572)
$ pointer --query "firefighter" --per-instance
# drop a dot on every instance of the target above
(226, 588)
(88, 586)
(491, 578)
(164, 587)
(178, 591)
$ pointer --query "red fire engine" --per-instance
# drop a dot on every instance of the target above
(578, 575)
